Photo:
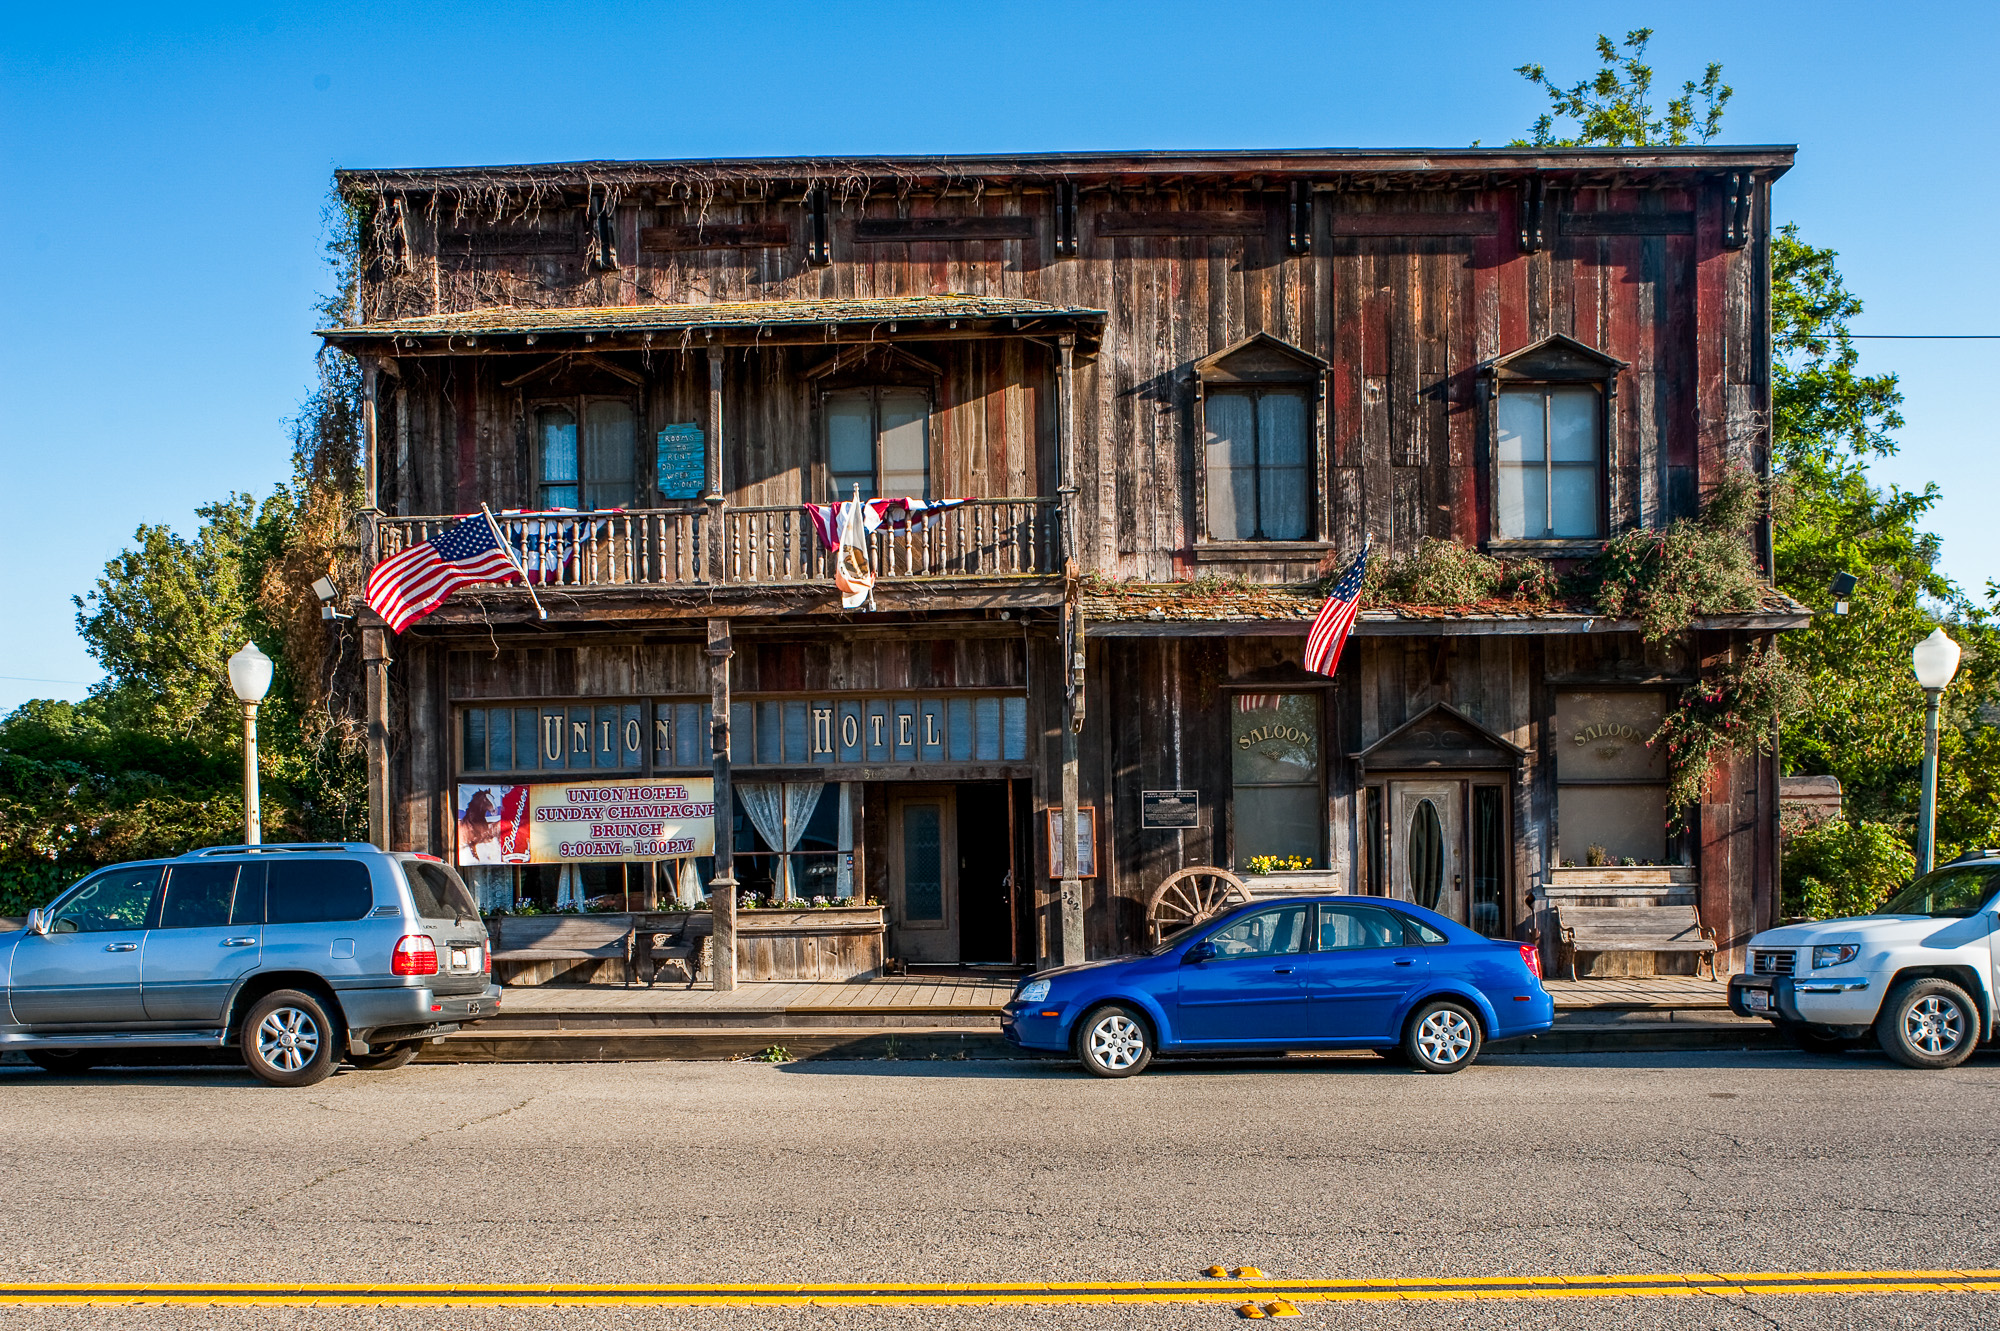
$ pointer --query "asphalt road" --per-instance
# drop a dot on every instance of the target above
(820, 1171)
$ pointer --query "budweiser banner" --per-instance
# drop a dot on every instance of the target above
(578, 822)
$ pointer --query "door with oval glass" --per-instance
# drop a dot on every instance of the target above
(923, 875)
(1427, 845)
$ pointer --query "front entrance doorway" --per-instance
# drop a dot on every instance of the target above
(1448, 847)
(952, 874)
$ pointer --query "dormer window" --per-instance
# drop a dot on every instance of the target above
(1550, 441)
(1258, 458)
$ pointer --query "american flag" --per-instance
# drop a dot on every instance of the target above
(405, 587)
(1336, 618)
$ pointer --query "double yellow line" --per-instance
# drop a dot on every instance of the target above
(975, 1295)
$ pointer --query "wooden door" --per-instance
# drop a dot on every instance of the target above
(1427, 845)
(923, 875)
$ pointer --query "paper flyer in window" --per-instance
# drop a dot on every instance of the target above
(578, 822)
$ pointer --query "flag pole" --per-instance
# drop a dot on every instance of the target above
(514, 559)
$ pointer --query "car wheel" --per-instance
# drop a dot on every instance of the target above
(1928, 1023)
(63, 1064)
(288, 1040)
(388, 1057)
(1114, 1042)
(1810, 1041)
(1441, 1037)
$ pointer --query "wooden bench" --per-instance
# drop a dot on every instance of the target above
(682, 945)
(1633, 929)
(529, 938)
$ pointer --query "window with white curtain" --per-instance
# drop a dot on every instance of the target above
(1257, 454)
(1550, 451)
(878, 439)
(595, 468)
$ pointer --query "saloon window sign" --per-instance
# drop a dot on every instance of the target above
(586, 822)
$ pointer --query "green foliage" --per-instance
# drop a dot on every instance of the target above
(1735, 709)
(1614, 107)
(1667, 579)
(150, 764)
(1440, 572)
(1837, 869)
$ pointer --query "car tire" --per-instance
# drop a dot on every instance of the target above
(1114, 1041)
(62, 1063)
(1809, 1041)
(387, 1058)
(288, 1039)
(1928, 1023)
(1443, 1036)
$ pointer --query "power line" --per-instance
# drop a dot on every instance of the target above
(1930, 337)
(37, 679)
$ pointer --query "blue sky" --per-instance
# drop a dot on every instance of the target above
(166, 166)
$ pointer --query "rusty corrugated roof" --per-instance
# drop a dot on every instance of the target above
(1107, 605)
(506, 320)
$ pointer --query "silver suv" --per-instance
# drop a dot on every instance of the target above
(299, 955)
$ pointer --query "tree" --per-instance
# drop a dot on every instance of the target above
(1614, 107)
(1862, 718)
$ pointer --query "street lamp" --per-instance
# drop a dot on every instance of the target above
(250, 677)
(1935, 660)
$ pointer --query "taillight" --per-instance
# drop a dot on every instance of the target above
(486, 960)
(415, 954)
(1531, 957)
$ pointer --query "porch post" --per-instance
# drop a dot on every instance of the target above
(375, 658)
(1069, 906)
(722, 888)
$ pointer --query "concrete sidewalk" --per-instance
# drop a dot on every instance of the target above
(958, 1016)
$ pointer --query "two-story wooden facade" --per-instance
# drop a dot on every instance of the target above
(1178, 388)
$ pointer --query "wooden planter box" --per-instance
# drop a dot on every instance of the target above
(835, 943)
(1293, 882)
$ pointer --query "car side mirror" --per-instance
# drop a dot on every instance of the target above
(1200, 952)
(38, 922)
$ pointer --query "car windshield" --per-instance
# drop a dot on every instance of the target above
(1949, 892)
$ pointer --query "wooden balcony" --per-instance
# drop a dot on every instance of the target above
(691, 545)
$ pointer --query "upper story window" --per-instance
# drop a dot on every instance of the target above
(596, 470)
(1551, 441)
(1550, 456)
(878, 439)
(1259, 457)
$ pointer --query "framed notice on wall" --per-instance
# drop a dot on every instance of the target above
(1086, 843)
(683, 461)
(1169, 808)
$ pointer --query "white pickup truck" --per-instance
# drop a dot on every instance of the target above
(1920, 973)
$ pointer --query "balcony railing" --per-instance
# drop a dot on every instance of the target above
(760, 547)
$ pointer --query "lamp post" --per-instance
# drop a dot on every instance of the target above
(250, 677)
(1935, 660)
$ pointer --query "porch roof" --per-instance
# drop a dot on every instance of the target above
(1141, 609)
(819, 320)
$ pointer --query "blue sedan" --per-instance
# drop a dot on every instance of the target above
(1291, 973)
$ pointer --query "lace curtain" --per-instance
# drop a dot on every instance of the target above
(780, 810)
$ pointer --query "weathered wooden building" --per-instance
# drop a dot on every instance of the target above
(1178, 388)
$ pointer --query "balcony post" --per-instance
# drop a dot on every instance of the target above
(1066, 452)
(717, 562)
(721, 888)
(370, 469)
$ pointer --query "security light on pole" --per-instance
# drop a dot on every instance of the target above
(1935, 661)
(250, 677)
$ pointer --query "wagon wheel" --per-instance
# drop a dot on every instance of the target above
(1192, 895)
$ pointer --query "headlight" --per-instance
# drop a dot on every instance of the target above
(1835, 955)
(1034, 991)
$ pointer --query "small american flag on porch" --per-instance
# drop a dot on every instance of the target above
(1336, 618)
(409, 585)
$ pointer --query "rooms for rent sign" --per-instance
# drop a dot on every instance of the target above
(581, 822)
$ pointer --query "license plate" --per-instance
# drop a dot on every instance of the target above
(462, 959)
(1757, 1000)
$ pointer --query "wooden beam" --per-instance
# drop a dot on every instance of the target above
(717, 236)
(375, 658)
(722, 888)
(881, 230)
(370, 467)
(1191, 222)
(1414, 224)
(1626, 224)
